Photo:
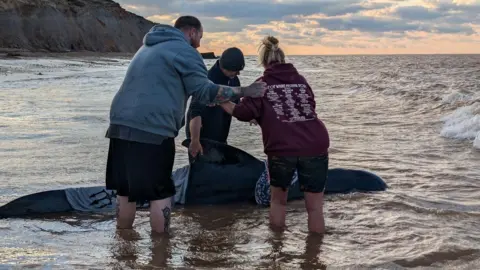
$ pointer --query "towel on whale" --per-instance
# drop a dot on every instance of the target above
(98, 199)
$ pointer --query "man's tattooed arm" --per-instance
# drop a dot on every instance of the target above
(226, 93)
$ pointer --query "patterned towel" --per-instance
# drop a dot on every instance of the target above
(262, 188)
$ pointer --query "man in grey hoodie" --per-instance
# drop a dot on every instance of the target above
(148, 111)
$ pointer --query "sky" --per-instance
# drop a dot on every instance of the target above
(323, 27)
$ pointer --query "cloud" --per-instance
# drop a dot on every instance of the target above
(366, 24)
(248, 12)
(327, 25)
(210, 24)
(269, 9)
(417, 13)
(379, 25)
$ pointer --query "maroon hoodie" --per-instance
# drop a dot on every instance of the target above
(286, 114)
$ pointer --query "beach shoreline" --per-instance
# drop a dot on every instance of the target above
(7, 53)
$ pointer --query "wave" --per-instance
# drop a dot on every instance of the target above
(464, 124)
(447, 254)
(460, 97)
(476, 142)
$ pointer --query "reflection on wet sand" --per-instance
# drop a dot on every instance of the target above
(161, 250)
(283, 252)
(312, 255)
(126, 253)
(124, 248)
(219, 239)
(212, 242)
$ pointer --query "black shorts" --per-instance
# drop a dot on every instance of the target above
(141, 171)
(312, 172)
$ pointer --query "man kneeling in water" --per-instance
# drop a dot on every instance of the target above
(211, 122)
(293, 136)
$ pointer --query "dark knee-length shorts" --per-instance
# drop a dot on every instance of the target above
(141, 171)
(312, 172)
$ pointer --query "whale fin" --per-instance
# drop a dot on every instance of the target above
(368, 181)
(223, 174)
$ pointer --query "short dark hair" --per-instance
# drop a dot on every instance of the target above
(187, 21)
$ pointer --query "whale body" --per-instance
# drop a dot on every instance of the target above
(222, 175)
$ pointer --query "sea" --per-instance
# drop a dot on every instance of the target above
(414, 120)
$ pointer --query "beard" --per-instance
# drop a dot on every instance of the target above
(193, 44)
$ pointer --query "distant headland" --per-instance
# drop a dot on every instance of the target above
(32, 27)
(209, 55)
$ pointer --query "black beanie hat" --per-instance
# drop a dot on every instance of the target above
(232, 59)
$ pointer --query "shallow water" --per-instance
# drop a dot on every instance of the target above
(413, 120)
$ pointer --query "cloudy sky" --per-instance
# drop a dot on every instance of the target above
(328, 26)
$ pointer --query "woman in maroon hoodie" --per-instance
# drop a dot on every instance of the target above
(293, 136)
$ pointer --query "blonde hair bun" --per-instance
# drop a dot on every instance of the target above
(270, 42)
(270, 51)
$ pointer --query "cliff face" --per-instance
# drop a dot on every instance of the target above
(70, 25)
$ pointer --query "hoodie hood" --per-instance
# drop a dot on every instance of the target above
(281, 72)
(162, 33)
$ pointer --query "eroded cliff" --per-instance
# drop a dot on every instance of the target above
(70, 25)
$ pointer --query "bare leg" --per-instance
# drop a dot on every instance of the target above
(125, 213)
(278, 207)
(314, 205)
(160, 211)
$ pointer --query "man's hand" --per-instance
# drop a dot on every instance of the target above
(195, 148)
(227, 93)
(195, 126)
(256, 89)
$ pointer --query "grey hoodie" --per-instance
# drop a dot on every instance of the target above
(161, 77)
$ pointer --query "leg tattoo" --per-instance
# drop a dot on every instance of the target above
(166, 215)
(117, 208)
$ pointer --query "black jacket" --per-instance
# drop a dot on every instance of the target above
(215, 121)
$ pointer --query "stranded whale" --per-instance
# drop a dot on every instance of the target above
(223, 175)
